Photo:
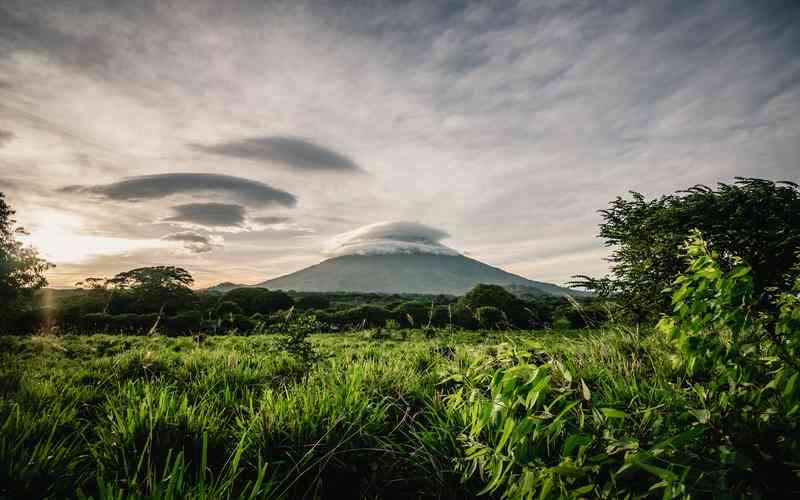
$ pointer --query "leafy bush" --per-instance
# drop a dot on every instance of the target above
(295, 331)
(745, 366)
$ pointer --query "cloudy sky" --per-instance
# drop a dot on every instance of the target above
(237, 139)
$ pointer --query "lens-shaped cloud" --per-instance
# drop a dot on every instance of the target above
(213, 215)
(152, 187)
(193, 242)
(291, 151)
(391, 237)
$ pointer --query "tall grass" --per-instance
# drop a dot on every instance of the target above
(381, 417)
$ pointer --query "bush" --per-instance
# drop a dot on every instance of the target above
(745, 365)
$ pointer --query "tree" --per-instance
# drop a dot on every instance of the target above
(259, 300)
(315, 301)
(21, 269)
(153, 289)
(756, 219)
(497, 296)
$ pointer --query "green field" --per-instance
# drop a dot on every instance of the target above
(228, 416)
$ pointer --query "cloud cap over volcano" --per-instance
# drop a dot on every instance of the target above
(391, 237)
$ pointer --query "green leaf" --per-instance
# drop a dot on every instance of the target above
(575, 440)
(507, 429)
(613, 413)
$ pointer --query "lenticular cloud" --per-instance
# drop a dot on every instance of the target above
(385, 238)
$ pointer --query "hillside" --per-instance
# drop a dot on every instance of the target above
(405, 273)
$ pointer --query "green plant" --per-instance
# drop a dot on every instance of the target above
(743, 364)
(294, 339)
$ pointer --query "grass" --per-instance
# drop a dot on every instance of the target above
(155, 417)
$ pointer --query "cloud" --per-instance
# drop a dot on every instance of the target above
(151, 187)
(6, 136)
(292, 151)
(211, 215)
(396, 237)
(271, 220)
(193, 242)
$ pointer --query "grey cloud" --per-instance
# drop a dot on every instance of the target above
(270, 220)
(152, 187)
(192, 242)
(292, 151)
(208, 214)
(6, 136)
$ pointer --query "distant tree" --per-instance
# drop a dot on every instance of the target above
(227, 307)
(490, 317)
(152, 289)
(756, 219)
(259, 300)
(21, 269)
(413, 313)
(498, 297)
(312, 302)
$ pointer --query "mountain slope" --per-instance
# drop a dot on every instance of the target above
(404, 273)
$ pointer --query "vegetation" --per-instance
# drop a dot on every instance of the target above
(21, 268)
(753, 218)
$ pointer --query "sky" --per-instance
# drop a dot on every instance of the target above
(246, 140)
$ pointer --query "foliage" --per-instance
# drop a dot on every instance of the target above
(21, 269)
(296, 330)
(490, 317)
(752, 218)
(745, 365)
(315, 301)
(498, 297)
(259, 300)
(151, 289)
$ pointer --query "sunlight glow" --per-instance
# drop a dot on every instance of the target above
(57, 236)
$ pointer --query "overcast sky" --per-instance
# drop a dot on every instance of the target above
(237, 139)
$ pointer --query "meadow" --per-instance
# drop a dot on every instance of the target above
(222, 417)
(381, 414)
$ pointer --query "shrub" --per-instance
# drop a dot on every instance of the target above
(744, 364)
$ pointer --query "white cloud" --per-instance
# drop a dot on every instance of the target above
(395, 237)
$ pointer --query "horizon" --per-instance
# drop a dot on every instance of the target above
(250, 141)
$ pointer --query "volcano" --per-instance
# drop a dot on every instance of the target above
(401, 257)
(422, 273)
